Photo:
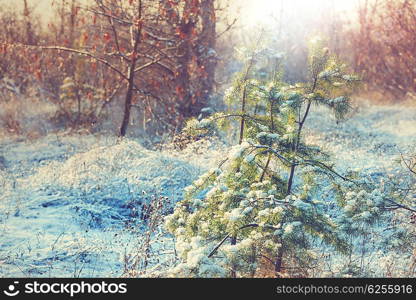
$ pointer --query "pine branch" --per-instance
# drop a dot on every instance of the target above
(228, 235)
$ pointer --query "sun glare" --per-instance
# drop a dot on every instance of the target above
(265, 12)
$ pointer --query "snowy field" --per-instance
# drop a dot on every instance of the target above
(66, 200)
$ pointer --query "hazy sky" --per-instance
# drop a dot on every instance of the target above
(43, 7)
(255, 11)
(252, 11)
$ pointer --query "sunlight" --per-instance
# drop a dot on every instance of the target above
(266, 12)
(147, 139)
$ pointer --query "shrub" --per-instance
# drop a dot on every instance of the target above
(80, 104)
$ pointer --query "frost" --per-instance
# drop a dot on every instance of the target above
(337, 100)
(247, 210)
(288, 229)
(244, 203)
(194, 258)
(70, 199)
(75, 190)
(267, 137)
(246, 243)
(338, 84)
(189, 189)
(302, 205)
(348, 208)
(212, 192)
(290, 128)
(203, 124)
(197, 202)
(235, 214)
(366, 215)
(238, 150)
(249, 158)
(264, 212)
(278, 210)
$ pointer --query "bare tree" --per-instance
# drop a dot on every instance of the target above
(161, 54)
(384, 47)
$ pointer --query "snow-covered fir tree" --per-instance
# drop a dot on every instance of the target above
(259, 208)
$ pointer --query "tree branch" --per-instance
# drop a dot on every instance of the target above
(228, 235)
(86, 53)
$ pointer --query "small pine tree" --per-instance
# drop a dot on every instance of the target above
(259, 204)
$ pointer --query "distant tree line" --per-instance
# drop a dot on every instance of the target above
(158, 56)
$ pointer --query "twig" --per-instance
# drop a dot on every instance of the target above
(229, 234)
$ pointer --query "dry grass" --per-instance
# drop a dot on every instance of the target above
(25, 117)
(383, 98)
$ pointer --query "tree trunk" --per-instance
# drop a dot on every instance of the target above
(296, 143)
(184, 88)
(127, 105)
(28, 24)
(197, 57)
(233, 267)
(207, 58)
(279, 262)
(290, 181)
(130, 87)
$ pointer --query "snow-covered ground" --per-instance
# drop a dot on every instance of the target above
(370, 140)
(65, 199)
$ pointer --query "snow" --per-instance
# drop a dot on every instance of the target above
(301, 205)
(235, 215)
(288, 229)
(249, 158)
(370, 140)
(238, 150)
(65, 199)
